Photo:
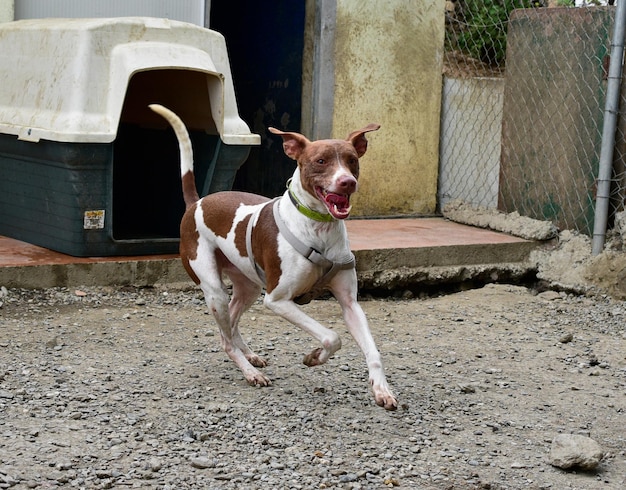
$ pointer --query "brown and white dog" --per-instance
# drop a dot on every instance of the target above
(292, 246)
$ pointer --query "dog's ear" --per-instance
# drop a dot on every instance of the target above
(357, 138)
(293, 143)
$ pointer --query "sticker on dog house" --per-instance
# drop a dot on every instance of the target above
(94, 220)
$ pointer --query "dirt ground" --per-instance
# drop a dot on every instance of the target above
(104, 388)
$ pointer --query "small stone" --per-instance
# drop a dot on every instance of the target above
(53, 343)
(549, 295)
(223, 477)
(8, 481)
(201, 462)
(467, 388)
(573, 450)
(155, 465)
(566, 338)
(392, 482)
(493, 371)
(350, 477)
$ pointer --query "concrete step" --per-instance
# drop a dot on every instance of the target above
(390, 254)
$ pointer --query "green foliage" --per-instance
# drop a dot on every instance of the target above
(483, 25)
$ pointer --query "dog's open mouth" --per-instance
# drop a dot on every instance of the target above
(338, 204)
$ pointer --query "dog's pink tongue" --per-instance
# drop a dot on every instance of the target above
(338, 205)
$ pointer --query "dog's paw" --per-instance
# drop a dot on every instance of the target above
(256, 361)
(384, 398)
(313, 358)
(258, 379)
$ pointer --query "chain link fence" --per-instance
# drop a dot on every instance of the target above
(523, 105)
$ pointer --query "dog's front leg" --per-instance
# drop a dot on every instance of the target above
(344, 288)
(291, 312)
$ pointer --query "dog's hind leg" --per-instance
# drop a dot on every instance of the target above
(245, 292)
(216, 297)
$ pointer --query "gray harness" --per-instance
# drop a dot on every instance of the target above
(307, 252)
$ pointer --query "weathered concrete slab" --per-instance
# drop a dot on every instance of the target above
(390, 253)
(136, 272)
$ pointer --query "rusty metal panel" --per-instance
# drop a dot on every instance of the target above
(553, 110)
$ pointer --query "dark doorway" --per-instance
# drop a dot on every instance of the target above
(265, 41)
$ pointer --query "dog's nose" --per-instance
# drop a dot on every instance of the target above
(347, 184)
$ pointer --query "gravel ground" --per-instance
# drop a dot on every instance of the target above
(104, 388)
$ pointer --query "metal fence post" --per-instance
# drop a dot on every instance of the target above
(608, 130)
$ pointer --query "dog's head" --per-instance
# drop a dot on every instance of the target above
(329, 169)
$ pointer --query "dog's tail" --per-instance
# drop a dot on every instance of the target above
(190, 192)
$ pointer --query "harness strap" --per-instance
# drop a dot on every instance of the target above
(314, 256)
(253, 219)
(307, 252)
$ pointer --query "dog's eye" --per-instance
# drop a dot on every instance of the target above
(353, 161)
(321, 161)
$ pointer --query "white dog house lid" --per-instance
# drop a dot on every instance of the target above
(66, 79)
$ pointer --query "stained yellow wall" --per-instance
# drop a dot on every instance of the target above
(6, 10)
(388, 64)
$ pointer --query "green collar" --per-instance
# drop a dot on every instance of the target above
(308, 212)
